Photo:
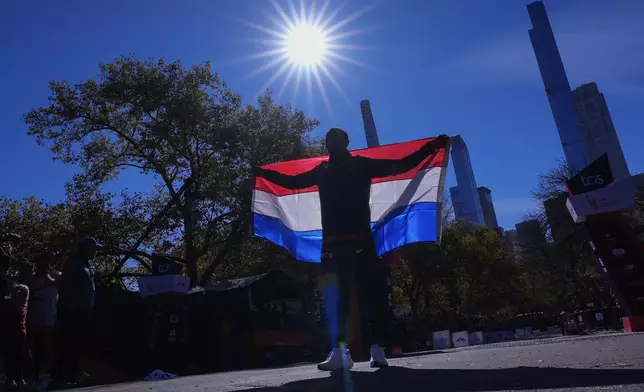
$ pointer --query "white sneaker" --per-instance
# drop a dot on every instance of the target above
(378, 358)
(339, 358)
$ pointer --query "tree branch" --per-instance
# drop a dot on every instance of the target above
(136, 255)
(207, 243)
(131, 165)
(230, 241)
(153, 224)
(158, 167)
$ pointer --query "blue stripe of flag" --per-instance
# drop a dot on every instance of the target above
(404, 225)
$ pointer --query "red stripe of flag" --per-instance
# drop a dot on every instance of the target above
(390, 151)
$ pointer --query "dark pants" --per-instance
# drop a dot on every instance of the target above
(41, 344)
(73, 331)
(13, 347)
(343, 262)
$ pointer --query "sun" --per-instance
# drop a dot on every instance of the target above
(305, 45)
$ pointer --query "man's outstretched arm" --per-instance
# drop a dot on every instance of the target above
(392, 167)
(298, 181)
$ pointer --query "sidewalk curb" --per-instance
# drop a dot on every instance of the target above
(526, 342)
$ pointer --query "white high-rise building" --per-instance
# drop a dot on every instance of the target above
(597, 128)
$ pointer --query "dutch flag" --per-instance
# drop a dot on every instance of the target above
(405, 208)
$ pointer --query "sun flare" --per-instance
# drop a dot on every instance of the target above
(305, 44)
(307, 48)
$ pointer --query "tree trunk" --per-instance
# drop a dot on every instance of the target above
(189, 240)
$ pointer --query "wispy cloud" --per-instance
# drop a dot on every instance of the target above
(602, 43)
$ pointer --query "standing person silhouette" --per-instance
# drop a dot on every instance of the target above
(344, 184)
(75, 309)
(41, 319)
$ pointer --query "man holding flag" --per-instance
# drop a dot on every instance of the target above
(347, 249)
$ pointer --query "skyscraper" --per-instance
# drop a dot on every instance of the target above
(457, 204)
(530, 234)
(557, 87)
(597, 128)
(489, 215)
(369, 124)
(465, 196)
(511, 241)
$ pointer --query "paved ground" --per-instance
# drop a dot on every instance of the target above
(595, 363)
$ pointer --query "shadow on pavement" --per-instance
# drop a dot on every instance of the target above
(400, 379)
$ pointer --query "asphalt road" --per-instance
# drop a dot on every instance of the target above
(597, 363)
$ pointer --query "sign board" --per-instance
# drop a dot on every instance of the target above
(460, 339)
(162, 265)
(508, 334)
(576, 218)
(476, 338)
(595, 176)
(153, 285)
(620, 196)
(492, 337)
(441, 340)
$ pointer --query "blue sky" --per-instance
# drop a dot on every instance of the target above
(428, 67)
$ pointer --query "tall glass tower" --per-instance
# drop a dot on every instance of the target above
(597, 128)
(557, 87)
(369, 124)
(465, 196)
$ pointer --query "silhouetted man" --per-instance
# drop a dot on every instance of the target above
(13, 315)
(41, 320)
(344, 184)
(75, 307)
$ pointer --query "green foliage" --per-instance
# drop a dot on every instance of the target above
(470, 274)
(186, 128)
(56, 228)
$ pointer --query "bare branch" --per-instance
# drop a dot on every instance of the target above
(153, 225)
(235, 233)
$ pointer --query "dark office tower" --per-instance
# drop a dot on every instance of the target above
(557, 87)
(530, 234)
(511, 241)
(369, 125)
(597, 128)
(465, 197)
(457, 204)
(489, 215)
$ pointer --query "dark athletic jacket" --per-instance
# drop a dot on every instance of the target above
(344, 187)
(76, 287)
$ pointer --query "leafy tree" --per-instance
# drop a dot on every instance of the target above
(55, 229)
(183, 127)
(43, 227)
(565, 266)
(468, 276)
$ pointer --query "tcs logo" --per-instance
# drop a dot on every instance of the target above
(592, 180)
